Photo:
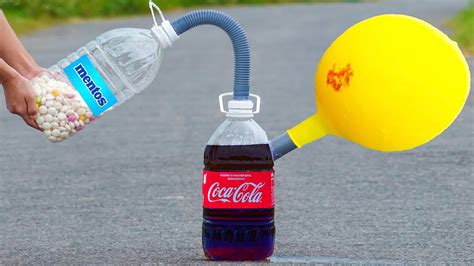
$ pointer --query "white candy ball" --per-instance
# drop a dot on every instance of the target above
(43, 100)
(58, 105)
(75, 105)
(62, 129)
(48, 118)
(43, 109)
(40, 120)
(64, 134)
(71, 124)
(36, 89)
(67, 127)
(62, 123)
(64, 108)
(47, 133)
(52, 111)
(53, 139)
(88, 114)
(76, 124)
(62, 116)
(46, 125)
(49, 103)
(69, 112)
(49, 97)
(55, 132)
(81, 111)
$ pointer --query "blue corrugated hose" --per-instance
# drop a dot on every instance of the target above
(237, 36)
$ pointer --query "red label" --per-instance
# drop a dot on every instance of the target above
(237, 190)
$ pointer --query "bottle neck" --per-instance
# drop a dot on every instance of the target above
(240, 114)
(238, 108)
(164, 34)
(239, 118)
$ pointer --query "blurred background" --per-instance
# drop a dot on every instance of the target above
(127, 190)
(29, 15)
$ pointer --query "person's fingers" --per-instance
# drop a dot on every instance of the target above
(31, 105)
(11, 109)
(23, 112)
(30, 121)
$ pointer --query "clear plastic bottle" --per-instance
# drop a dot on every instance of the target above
(238, 198)
(97, 77)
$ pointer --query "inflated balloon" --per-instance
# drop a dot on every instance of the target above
(388, 83)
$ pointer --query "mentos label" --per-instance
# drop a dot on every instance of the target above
(238, 190)
(92, 87)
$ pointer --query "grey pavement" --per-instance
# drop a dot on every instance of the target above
(127, 189)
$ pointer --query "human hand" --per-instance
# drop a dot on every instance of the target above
(19, 95)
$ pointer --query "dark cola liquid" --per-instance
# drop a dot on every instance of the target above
(238, 234)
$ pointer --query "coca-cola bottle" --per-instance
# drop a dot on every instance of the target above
(238, 198)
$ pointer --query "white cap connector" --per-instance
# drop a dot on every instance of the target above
(165, 33)
(239, 108)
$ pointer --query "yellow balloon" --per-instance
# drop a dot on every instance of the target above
(389, 83)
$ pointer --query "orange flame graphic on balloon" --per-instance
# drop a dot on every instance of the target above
(338, 79)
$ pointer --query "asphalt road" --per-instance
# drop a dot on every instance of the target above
(127, 189)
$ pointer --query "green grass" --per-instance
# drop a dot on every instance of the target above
(29, 15)
(463, 25)
(24, 24)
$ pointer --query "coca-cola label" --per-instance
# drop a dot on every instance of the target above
(238, 190)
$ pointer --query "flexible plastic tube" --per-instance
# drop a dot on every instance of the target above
(237, 36)
(281, 145)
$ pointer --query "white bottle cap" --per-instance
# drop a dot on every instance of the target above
(239, 108)
(165, 33)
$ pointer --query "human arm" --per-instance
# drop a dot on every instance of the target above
(17, 67)
(19, 95)
(14, 53)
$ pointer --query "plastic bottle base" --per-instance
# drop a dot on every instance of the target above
(249, 254)
(238, 243)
